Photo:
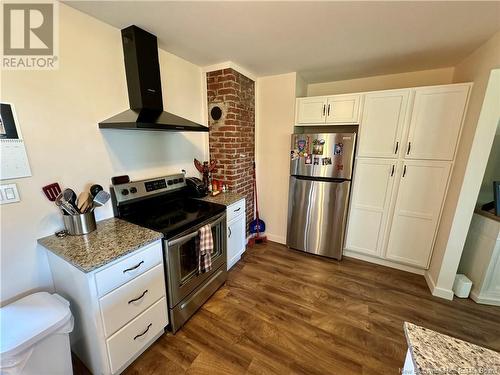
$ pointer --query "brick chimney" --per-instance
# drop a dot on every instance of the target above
(232, 136)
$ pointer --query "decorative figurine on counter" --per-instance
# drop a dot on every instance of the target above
(205, 169)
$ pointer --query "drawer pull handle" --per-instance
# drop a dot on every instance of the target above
(239, 208)
(146, 331)
(230, 232)
(138, 298)
(135, 267)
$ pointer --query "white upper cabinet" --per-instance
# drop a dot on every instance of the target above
(436, 122)
(335, 109)
(370, 201)
(421, 192)
(382, 123)
(342, 109)
(311, 110)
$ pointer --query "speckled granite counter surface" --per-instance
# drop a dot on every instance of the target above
(112, 239)
(225, 199)
(433, 353)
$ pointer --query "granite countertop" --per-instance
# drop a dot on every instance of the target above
(433, 353)
(225, 199)
(112, 239)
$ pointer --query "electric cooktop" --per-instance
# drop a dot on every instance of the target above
(162, 205)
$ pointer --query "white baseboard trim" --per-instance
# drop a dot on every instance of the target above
(275, 238)
(436, 291)
(484, 299)
(383, 262)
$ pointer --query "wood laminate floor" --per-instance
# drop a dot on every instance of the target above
(286, 312)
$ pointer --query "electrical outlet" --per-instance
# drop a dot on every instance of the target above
(9, 194)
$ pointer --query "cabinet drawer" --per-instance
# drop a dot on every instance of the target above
(235, 210)
(129, 268)
(125, 303)
(136, 335)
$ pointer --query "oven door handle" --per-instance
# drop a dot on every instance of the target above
(194, 234)
(183, 238)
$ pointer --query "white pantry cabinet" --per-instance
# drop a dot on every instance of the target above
(236, 232)
(120, 308)
(420, 196)
(383, 121)
(328, 110)
(417, 130)
(371, 196)
(436, 122)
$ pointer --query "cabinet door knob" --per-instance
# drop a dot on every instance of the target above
(324, 109)
(328, 112)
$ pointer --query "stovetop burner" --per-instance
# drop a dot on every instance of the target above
(172, 217)
(162, 204)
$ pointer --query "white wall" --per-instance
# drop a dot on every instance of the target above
(275, 106)
(474, 148)
(383, 82)
(58, 112)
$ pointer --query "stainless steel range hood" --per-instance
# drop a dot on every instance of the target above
(142, 68)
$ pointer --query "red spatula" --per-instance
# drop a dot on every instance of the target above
(52, 191)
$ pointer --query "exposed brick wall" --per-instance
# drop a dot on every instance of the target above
(232, 138)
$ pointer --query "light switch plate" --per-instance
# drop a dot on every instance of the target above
(9, 194)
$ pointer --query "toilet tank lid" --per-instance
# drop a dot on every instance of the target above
(30, 319)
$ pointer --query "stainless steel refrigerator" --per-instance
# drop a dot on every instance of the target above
(320, 179)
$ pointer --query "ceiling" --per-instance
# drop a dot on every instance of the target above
(323, 41)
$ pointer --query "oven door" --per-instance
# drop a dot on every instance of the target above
(181, 260)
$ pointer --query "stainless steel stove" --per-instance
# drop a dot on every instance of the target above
(164, 204)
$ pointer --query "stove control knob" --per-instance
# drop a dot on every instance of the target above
(125, 192)
(133, 190)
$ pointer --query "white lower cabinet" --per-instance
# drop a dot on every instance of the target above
(129, 340)
(421, 192)
(236, 232)
(119, 308)
(395, 209)
(371, 196)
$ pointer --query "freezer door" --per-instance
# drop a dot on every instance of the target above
(327, 155)
(316, 216)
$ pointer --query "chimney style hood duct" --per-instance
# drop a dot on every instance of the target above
(142, 68)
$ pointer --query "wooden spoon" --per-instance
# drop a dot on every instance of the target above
(83, 201)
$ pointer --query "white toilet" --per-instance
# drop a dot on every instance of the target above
(34, 336)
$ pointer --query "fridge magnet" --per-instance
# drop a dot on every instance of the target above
(326, 161)
(308, 159)
(318, 146)
(316, 161)
(339, 149)
(301, 145)
(294, 155)
(340, 167)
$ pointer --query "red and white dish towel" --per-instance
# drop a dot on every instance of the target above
(205, 248)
